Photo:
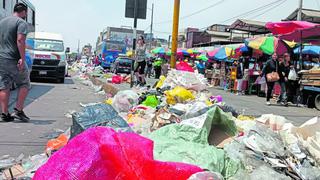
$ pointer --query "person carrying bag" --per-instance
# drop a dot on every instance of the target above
(271, 72)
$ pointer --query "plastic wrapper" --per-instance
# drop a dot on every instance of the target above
(196, 109)
(97, 115)
(273, 121)
(267, 173)
(178, 95)
(123, 101)
(206, 176)
(184, 79)
(101, 153)
(151, 101)
(116, 79)
(189, 143)
(183, 66)
(160, 82)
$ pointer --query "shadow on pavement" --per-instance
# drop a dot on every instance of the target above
(35, 93)
(52, 81)
(37, 122)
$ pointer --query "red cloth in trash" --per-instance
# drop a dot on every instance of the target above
(284, 27)
(102, 153)
(184, 66)
(117, 79)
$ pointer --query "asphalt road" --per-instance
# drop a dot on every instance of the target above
(255, 106)
(46, 105)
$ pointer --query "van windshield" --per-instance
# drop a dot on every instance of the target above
(48, 45)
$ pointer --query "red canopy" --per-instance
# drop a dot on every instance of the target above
(309, 35)
(285, 27)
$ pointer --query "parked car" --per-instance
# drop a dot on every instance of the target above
(122, 65)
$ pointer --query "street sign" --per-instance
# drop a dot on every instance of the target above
(141, 10)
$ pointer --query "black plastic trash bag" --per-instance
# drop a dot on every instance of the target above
(98, 115)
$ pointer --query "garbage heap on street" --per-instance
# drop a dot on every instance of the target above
(174, 130)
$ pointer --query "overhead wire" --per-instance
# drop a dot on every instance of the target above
(268, 10)
(251, 11)
(194, 13)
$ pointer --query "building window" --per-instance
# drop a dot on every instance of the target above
(4, 4)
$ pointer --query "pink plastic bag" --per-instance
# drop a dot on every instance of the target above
(183, 66)
(102, 153)
(117, 79)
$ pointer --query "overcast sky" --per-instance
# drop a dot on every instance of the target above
(84, 19)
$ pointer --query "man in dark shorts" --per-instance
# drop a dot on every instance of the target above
(13, 68)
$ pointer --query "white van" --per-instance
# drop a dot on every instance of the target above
(48, 54)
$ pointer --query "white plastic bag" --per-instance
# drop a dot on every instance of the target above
(293, 75)
(125, 100)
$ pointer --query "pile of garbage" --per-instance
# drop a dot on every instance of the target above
(176, 130)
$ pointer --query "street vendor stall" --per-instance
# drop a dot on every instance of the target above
(309, 79)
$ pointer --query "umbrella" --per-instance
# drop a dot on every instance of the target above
(286, 27)
(168, 53)
(193, 51)
(268, 45)
(311, 50)
(202, 57)
(221, 53)
(182, 52)
(158, 50)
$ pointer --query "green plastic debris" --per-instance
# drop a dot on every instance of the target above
(189, 144)
(151, 101)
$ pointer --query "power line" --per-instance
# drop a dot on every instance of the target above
(195, 13)
(268, 10)
(251, 11)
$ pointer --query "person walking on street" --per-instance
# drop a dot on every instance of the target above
(13, 67)
(292, 84)
(270, 71)
(165, 68)
(157, 67)
(240, 75)
(149, 68)
(284, 69)
(140, 61)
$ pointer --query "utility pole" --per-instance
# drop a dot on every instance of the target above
(134, 39)
(151, 26)
(78, 48)
(299, 16)
(175, 33)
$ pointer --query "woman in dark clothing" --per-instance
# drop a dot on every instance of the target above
(284, 69)
(271, 66)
